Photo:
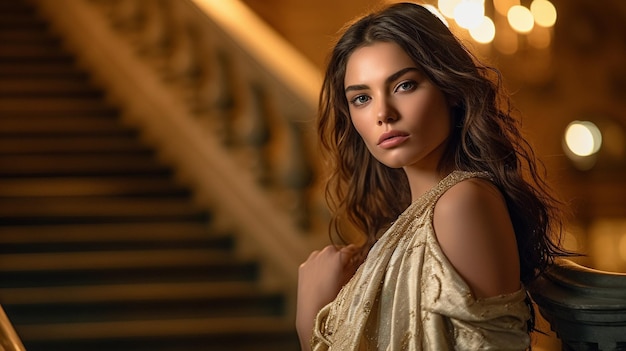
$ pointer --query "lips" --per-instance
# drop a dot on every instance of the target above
(392, 138)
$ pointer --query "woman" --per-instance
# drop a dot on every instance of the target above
(428, 163)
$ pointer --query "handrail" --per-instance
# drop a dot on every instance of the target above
(272, 50)
(9, 340)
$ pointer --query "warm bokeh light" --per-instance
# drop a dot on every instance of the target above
(469, 13)
(486, 24)
(521, 19)
(447, 7)
(503, 6)
(583, 138)
(544, 13)
(485, 32)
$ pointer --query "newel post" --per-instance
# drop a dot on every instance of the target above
(585, 307)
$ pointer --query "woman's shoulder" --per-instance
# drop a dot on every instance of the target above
(470, 192)
(474, 230)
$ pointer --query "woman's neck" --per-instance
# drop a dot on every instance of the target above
(421, 181)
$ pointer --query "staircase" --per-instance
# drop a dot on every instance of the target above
(100, 248)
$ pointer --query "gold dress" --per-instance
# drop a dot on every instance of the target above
(407, 296)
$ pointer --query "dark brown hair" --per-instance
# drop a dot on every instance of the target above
(484, 137)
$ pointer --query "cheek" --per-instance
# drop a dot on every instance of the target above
(357, 125)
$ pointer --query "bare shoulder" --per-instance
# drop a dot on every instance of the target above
(474, 230)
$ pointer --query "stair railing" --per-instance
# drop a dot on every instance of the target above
(229, 103)
(9, 340)
(585, 307)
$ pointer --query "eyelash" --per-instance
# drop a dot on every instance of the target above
(355, 100)
(411, 86)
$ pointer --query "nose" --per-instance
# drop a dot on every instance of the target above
(386, 113)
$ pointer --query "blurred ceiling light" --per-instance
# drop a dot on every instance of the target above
(583, 138)
(469, 13)
(446, 7)
(544, 13)
(485, 32)
(521, 19)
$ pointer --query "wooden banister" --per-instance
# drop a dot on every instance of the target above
(9, 340)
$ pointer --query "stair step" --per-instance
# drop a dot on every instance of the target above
(35, 52)
(8, 6)
(91, 209)
(45, 105)
(47, 86)
(39, 69)
(103, 110)
(221, 270)
(100, 233)
(130, 292)
(63, 261)
(56, 240)
(90, 186)
(80, 164)
(215, 334)
(138, 302)
(156, 328)
(264, 341)
(19, 19)
(64, 143)
(65, 125)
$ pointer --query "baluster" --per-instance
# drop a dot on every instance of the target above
(256, 132)
(215, 96)
(154, 37)
(206, 70)
(125, 15)
(297, 174)
(182, 58)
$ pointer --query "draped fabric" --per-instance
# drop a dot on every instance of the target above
(407, 296)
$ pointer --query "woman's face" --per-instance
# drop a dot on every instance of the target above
(402, 117)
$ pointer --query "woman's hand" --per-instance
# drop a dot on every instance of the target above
(320, 278)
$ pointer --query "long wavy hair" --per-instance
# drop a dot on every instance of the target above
(484, 137)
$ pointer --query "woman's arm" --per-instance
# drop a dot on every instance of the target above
(319, 280)
(474, 230)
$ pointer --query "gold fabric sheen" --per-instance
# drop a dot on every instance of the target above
(408, 296)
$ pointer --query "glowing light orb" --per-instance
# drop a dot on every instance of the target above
(544, 13)
(583, 138)
(485, 32)
(521, 19)
(469, 14)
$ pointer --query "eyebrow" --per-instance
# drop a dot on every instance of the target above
(389, 79)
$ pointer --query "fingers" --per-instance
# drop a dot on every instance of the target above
(348, 255)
